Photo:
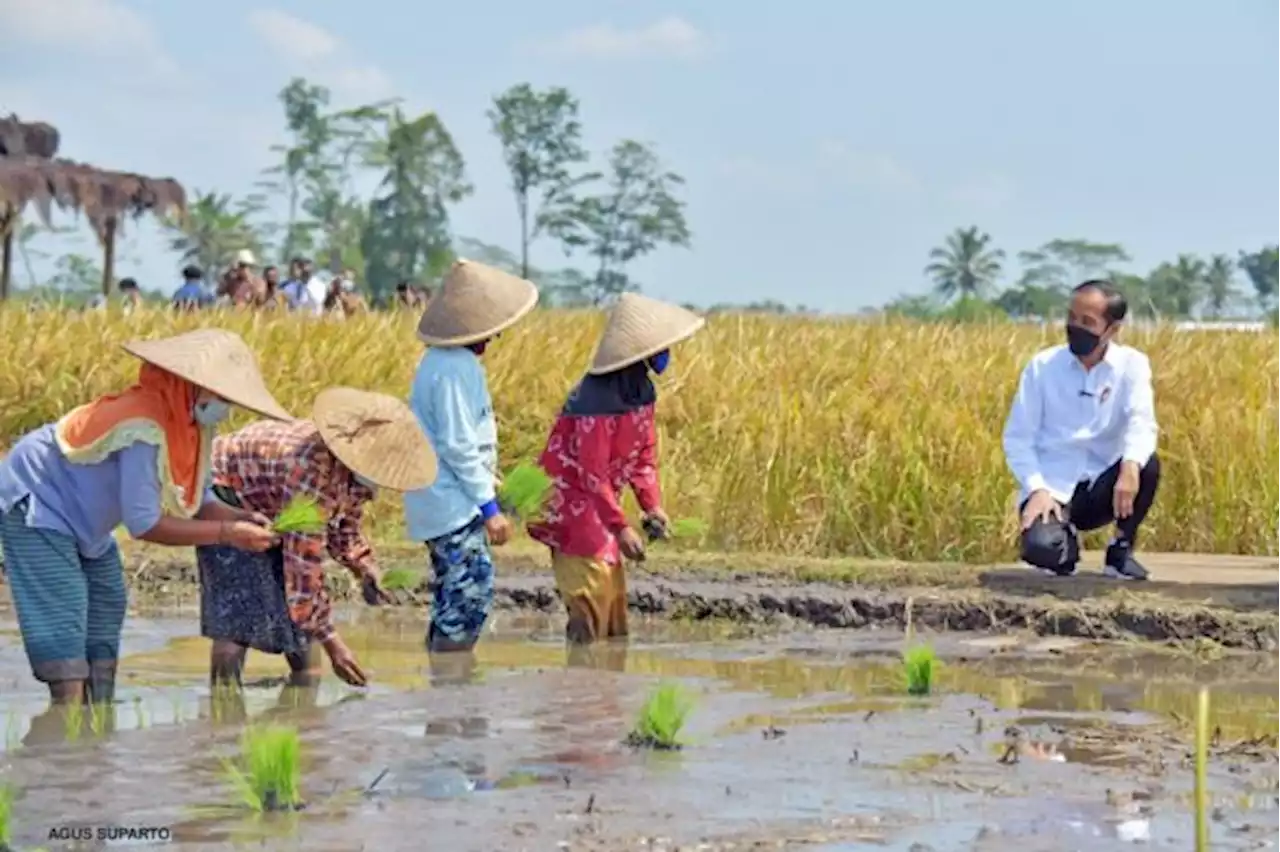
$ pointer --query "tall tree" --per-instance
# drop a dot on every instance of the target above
(557, 288)
(407, 232)
(637, 211)
(1263, 269)
(1177, 288)
(215, 227)
(541, 140)
(1063, 263)
(1219, 285)
(966, 265)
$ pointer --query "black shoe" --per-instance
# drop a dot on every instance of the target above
(1060, 571)
(1121, 565)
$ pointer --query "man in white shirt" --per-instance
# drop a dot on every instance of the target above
(1081, 439)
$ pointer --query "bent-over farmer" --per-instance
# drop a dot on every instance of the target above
(140, 458)
(458, 517)
(604, 440)
(275, 602)
(1081, 439)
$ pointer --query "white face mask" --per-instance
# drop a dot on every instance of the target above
(211, 412)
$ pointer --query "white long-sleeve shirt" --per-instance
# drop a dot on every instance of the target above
(1068, 424)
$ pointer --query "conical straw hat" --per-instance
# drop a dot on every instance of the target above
(214, 359)
(376, 436)
(640, 327)
(475, 302)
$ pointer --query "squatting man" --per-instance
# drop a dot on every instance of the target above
(1081, 439)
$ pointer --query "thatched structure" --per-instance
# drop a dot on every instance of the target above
(30, 175)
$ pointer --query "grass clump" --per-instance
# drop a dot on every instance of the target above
(302, 515)
(661, 719)
(269, 774)
(524, 491)
(400, 579)
(919, 668)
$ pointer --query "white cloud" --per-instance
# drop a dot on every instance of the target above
(838, 159)
(318, 53)
(670, 36)
(89, 28)
(987, 193)
(299, 40)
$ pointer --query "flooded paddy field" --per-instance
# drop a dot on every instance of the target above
(800, 738)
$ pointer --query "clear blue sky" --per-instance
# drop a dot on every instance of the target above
(827, 145)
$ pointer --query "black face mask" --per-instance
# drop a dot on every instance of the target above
(1081, 340)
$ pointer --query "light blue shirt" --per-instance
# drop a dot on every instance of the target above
(451, 399)
(84, 501)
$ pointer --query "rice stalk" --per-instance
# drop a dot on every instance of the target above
(302, 516)
(268, 775)
(661, 719)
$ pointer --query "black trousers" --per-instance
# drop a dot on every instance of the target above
(1054, 545)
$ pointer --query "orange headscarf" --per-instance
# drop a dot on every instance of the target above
(158, 410)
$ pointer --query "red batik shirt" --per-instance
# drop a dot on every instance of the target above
(266, 464)
(590, 459)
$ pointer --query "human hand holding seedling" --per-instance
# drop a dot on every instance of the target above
(630, 544)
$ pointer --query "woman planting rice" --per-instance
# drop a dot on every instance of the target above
(458, 517)
(275, 602)
(604, 440)
(140, 458)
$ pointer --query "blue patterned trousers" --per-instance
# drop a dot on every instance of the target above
(462, 595)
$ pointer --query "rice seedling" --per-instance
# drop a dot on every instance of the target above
(1202, 767)
(6, 816)
(302, 515)
(661, 719)
(524, 490)
(855, 453)
(919, 667)
(12, 732)
(139, 712)
(268, 776)
(401, 579)
(99, 717)
(73, 721)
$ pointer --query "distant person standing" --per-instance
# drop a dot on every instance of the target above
(1081, 439)
(294, 289)
(193, 294)
(240, 286)
(271, 297)
(130, 294)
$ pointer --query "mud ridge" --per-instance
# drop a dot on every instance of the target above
(853, 607)
(1116, 617)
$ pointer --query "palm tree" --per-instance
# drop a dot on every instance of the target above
(1219, 284)
(1176, 288)
(966, 265)
(214, 229)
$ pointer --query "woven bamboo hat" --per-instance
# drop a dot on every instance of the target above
(214, 359)
(474, 303)
(376, 436)
(640, 327)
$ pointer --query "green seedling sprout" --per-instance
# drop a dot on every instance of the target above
(401, 579)
(268, 777)
(1202, 766)
(13, 733)
(661, 719)
(688, 528)
(919, 666)
(525, 490)
(6, 815)
(73, 720)
(98, 716)
(302, 515)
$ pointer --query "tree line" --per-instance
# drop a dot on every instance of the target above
(967, 268)
(605, 217)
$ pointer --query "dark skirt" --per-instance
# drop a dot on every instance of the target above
(242, 600)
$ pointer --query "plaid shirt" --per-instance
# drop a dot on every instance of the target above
(266, 464)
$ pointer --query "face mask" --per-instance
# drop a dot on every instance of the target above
(1081, 340)
(211, 412)
(659, 363)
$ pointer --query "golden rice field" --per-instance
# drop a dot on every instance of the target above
(788, 435)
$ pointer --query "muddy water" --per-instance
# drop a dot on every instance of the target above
(801, 737)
